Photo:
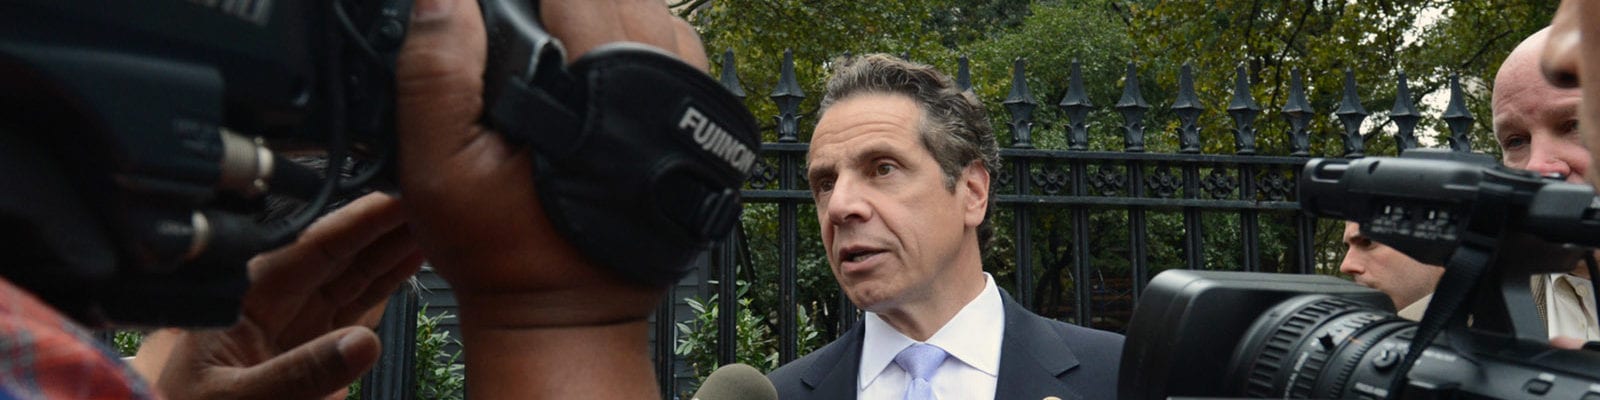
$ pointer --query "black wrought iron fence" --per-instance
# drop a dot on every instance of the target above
(1076, 224)
(1074, 190)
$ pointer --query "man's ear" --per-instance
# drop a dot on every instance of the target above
(974, 184)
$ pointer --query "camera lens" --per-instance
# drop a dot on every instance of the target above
(1311, 346)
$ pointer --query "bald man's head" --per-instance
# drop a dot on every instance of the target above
(1536, 123)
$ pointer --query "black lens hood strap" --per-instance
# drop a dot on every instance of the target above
(638, 156)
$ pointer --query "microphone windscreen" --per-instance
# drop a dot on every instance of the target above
(736, 381)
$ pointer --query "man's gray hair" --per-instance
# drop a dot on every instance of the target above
(955, 128)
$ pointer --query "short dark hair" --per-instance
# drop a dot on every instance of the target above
(955, 126)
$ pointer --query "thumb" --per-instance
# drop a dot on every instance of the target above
(315, 368)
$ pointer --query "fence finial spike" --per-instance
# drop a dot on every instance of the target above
(788, 96)
(1132, 107)
(1076, 95)
(1351, 114)
(1243, 108)
(1187, 99)
(730, 75)
(1131, 96)
(1458, 117)
(964, 74)
(788, 85)
(1405, 116)
(1019, 84)
(1351, 104)
(1076, 105)
(1298, 111)
(1021, 104)
(1242, 99)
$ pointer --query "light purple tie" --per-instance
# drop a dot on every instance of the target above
(920, 360)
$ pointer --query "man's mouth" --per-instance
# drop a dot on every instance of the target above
(858, 255)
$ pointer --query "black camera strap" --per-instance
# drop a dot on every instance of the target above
(1461, 276)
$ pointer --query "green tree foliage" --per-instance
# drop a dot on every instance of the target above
(1429, 40)
(817, 32)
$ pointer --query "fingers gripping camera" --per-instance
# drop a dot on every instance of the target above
(631, 145)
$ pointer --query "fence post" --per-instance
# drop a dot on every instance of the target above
(725, 257)
(1132, 107)
(1243, 109)
(1459, 119)
(1075, 104)
(788, 96)
(1298, 111)
(394, 377)
(1188, 109)
(1020, 104)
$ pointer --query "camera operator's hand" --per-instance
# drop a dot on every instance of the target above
(304, 330)
(538, 319)
(585, 24)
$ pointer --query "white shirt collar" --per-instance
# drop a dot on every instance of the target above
(1569, 312)
(973, 337)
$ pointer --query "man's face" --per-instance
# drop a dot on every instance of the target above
(1382, 267)
(1572, 58)
(892, 228)
(1536, 123)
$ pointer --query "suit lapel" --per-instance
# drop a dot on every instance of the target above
(833, 376)
(1033, 357)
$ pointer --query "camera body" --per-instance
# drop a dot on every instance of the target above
(139, 138)
(1210, 334)
(1225, 334)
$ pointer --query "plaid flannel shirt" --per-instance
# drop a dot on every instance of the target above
(44, 355)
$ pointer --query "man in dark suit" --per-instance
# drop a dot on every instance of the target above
(899, 166)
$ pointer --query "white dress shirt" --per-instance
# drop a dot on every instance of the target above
(972, 338)
(1570, 307)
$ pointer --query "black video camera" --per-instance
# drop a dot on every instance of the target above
(139, 139)
(1254, 335)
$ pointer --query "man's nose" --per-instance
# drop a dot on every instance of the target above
(1350, 266)
(848, 202)
(1545, 160)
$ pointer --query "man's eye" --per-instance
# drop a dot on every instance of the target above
(1570, 127)
(885, 169)
(822, 186)
(1514, 142)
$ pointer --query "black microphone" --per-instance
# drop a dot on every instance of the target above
(736, 381)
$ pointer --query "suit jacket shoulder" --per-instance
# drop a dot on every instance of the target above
(1042, 357)
(827, 373)
(1039, 357)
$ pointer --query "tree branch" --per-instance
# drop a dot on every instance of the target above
(1484, 48)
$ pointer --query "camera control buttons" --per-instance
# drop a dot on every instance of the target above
(1540, 385)
(1386, 359)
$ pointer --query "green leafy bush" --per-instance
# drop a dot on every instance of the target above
(757, 344)
(438, 375)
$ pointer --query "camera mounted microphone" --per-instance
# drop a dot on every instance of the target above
(736, 382)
